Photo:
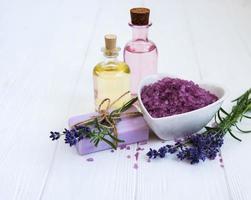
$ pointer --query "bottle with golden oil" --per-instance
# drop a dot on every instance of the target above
(111, 77)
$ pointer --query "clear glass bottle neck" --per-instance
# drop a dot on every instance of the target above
(139, 32)
(110, 55)
(111, 58)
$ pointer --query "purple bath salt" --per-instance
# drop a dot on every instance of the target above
(128, 148)
(136, 155)
(90, 159)
(171, 96)
(122, 146)
(139, 149)
(135, 166)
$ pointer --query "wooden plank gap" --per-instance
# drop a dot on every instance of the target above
(71, 101)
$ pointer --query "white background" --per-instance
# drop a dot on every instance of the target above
(47, 51)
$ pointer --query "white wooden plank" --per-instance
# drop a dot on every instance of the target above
(42, 47)
(239, 13)
(46, 59)
(111, 175)
(217, 42)
(171, 34)
(224, 54)
(234, 152)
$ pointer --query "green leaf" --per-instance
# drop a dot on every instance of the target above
(96, 143)
(236, 99)
(222, 110)
(115, 138)
(127, 105)
(110, 143)
(97, 123)
(219, 117)
(242, 130)
(248, 117)
(208, 129)
(243, 96)
(248, 108)
(234, 135)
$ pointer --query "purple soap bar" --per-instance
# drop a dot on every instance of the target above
(130, 129)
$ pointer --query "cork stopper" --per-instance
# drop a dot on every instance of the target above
(110, 45)
(110, 41)
(140, 16)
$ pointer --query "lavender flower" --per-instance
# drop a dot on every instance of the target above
(162, 152)
(54, 135)
(82, 131)
(71, 136)
(195, 148)
(152, 153)
(83, 128)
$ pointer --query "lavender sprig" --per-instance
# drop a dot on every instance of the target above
(95, 135)
(199, 147)
(72, 136)
(95, 130)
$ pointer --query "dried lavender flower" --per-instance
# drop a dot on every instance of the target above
(71, 137)
(193, 148)
(54, 135)
(96, 129)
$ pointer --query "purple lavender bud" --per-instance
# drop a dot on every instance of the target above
(54, 135)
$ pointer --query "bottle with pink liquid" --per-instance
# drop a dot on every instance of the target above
(140, 53)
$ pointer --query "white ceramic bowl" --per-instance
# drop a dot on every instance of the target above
(176, 126)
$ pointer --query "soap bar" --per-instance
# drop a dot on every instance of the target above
(130, 129)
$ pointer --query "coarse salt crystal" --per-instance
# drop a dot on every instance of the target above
(171, 96)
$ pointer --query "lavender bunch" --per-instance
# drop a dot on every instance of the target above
(95, 134)
(201, 146)
(96, 129)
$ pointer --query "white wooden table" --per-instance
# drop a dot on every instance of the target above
(47, 51)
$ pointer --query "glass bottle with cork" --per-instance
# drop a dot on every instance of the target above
(140, 53)
(111, 77)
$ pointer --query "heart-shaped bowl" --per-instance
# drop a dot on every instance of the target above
(180, 125)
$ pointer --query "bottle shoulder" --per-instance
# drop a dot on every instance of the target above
(140, 46)
(139, 41)
(111, 67)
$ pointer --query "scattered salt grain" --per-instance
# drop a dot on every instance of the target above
(136, 155)
(135, 166)
(139, 149)
(89, 159)
(122, 146)
(171, 96)
(221, 160)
